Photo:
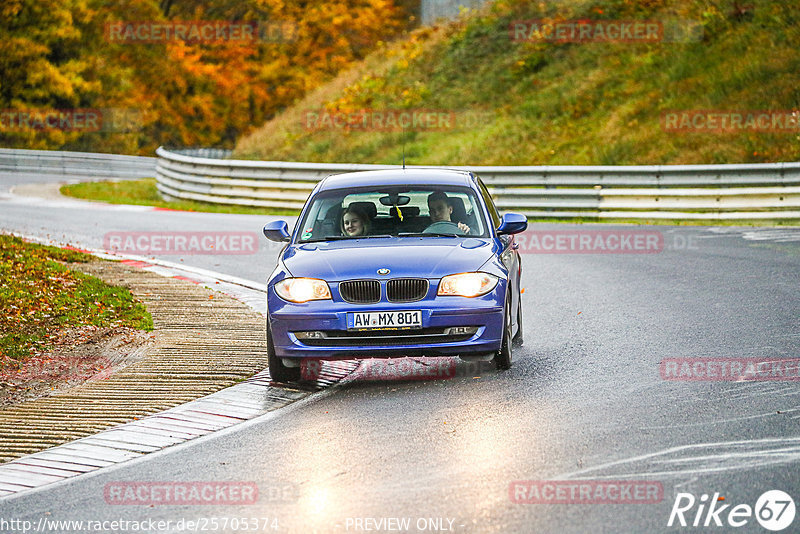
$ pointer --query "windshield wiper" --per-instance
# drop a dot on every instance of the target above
(340, 237)
(321, 239)
(427, 234)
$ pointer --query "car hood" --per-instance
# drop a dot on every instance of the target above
(426, 257)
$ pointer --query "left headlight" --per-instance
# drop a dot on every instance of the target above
(302, 289)
(467, 284)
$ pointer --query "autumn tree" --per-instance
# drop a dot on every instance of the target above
(58, 55)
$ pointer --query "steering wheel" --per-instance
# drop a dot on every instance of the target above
(443, 227)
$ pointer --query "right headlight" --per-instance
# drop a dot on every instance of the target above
(467, 284)
(302, 289)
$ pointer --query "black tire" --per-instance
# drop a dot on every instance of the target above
(502, 359)
(518, 337)
(277, 371)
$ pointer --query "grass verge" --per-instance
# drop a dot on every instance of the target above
(41, 296)
(529, 102)
(144, 193)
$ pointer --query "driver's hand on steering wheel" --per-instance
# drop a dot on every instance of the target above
(463, 227)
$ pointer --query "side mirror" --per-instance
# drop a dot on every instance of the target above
(277, 231)
(512, 223)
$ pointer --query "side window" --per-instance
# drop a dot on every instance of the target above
(487, 198)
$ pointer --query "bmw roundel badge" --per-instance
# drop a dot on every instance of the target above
(383, 271)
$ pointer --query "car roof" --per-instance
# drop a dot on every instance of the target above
(415, 176)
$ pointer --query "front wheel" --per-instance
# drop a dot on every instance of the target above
(518, 338)
(278, 371)
(503, 357)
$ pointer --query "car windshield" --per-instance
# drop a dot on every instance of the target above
(391, 211)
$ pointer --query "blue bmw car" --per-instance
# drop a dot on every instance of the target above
(382, 264)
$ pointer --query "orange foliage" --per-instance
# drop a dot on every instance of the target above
(57, 54)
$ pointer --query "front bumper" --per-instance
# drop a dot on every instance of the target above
(440, 315)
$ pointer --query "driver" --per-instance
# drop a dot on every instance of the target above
(440, 210)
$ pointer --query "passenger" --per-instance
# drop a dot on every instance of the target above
(440, 210)
(355, 222)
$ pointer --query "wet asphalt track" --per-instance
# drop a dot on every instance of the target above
(584, 399)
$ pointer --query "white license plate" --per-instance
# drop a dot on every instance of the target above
(388, 320)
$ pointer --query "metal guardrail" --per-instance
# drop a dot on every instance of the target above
(213, 153)
(712, 192)
(76, 163)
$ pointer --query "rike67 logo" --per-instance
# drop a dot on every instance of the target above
(774, 510)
